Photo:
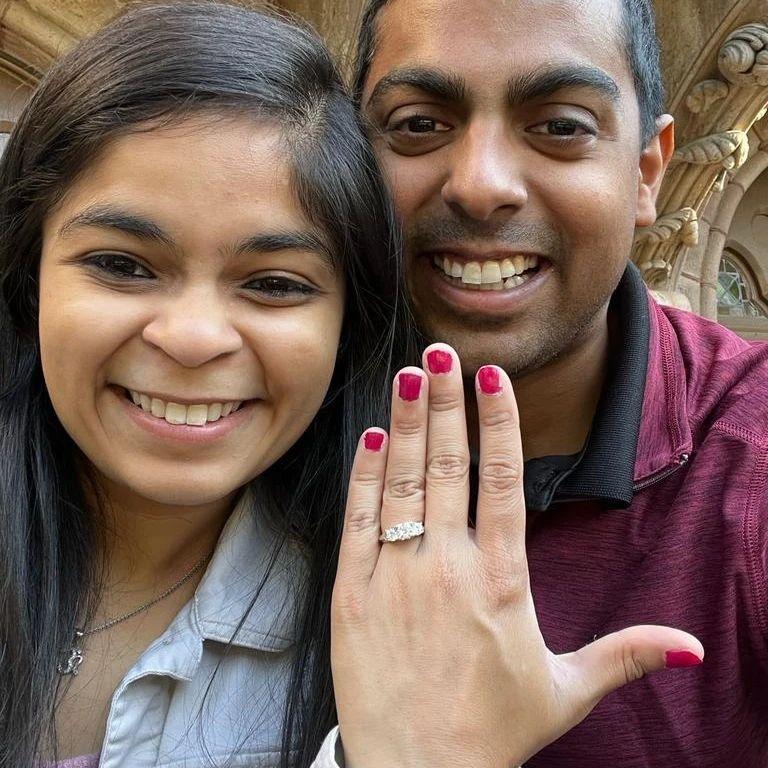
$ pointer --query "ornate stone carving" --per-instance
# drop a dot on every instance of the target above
(657, 246)
(743, 58)
(706, 94)
(684, 223)
(729, 149)
(673, 299)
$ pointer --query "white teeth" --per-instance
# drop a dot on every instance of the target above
(197, 415)
(177, 414)
(473, 274)
(491, 272)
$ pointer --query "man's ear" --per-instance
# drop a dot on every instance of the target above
(653, 163)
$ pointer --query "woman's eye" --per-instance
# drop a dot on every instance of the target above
(280, 287)
(119, 266)
(563, 129)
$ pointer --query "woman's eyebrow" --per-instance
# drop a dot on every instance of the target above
(298, 240)
(105, 216)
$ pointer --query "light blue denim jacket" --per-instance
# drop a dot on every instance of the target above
(169, 713)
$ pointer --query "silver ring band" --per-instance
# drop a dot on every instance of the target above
(403, 532)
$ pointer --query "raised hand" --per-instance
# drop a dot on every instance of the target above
(437, 655)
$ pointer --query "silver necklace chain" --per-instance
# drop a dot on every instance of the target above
(71, 665)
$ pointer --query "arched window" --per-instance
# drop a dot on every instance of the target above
(737, 295)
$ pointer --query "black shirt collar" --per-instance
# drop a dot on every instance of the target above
(603, 471)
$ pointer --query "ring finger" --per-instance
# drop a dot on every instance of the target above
(404, 481)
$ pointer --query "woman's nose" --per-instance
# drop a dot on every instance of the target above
(193, 329)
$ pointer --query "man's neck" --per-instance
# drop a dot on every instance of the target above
(557, 403)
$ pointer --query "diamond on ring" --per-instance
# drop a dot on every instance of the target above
(403, 532)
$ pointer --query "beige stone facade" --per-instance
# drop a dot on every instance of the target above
(709, 249)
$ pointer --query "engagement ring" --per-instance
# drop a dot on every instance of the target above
(402, 532)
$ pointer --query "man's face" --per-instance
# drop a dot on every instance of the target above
(510, 134)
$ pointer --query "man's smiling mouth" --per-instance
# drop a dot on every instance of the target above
(179, 414)
(489, 275)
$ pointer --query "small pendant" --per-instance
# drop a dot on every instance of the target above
(72, 665)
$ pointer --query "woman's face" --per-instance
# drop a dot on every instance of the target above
(189, 311)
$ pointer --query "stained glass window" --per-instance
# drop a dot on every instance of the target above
(735, 293)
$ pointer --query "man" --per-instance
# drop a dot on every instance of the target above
(524, 142)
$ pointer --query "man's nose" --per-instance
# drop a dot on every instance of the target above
(193, 328)
(486, 174)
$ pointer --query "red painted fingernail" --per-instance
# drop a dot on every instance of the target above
(409, 386)
(373, 441)
(489, 380)
(680, 659)
(439, 361)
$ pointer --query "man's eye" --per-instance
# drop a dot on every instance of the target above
(563, 128)
(119, 266)
(420, 124)
(280, 287)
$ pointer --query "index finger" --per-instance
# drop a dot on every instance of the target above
(500, 500)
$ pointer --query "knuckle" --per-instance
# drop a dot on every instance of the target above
(501, 417)
(361, 520)
(505, 585)
(448, 466)
(367, 479)
(446, 401)
(407, 428)
(404, 487)
(500, 474)
(633, 669)
(347, 607)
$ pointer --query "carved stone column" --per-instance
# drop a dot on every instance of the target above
(715, 146)
(723, 217)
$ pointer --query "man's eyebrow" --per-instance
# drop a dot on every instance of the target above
(542, 83)
(112, 217)
(299, 240)
(435, 82)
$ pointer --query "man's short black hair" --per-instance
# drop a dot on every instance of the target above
(641, 43)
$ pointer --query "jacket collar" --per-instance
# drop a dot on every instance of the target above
(248, 564)
(665, 431)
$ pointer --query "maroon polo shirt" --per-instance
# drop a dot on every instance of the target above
(663, 519)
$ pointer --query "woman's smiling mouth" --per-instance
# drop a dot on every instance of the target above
(177, 414)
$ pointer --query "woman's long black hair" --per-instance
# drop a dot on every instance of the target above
(163, 63)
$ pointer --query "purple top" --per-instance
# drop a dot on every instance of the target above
(691, 552)
(86, 761)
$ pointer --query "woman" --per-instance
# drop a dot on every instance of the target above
(200, 302)
(193, 230)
